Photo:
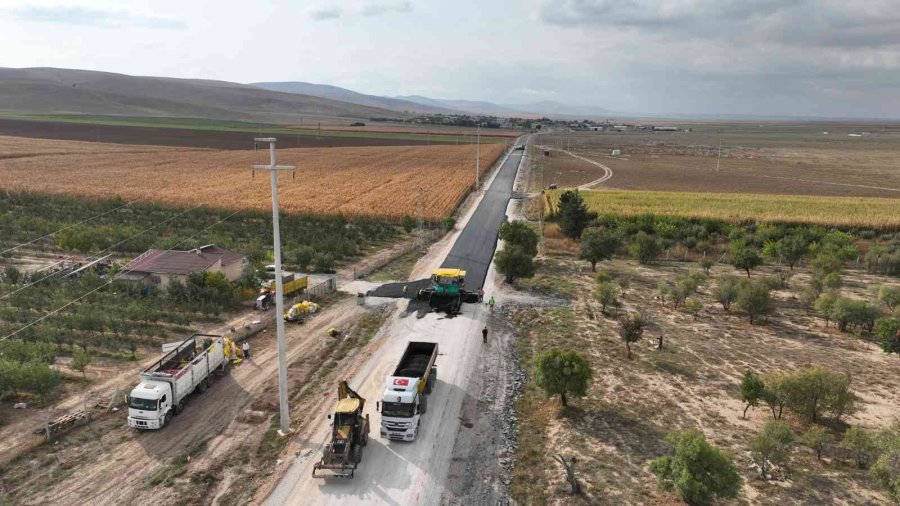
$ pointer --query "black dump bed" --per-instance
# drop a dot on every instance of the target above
(416, 360)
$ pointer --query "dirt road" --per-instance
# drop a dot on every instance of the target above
(400, 473)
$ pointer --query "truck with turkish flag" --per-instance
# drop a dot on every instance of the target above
(404, 401)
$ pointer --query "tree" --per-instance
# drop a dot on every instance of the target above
(324, 262)
(303, 256)
(409, 223)
(706, 264)
(606, 295)
(698, 472)
(514, 263)
(771, 446)
(793, 248)
(812, 393)
(752, 391)
(573, 214)
(808, 296)
(816, 438)
(745, 258)
(825, 305)
(562, 372)
(38, 378)
(775, 394)
(624, 283)
(886, 469)
(644, 247)
(860, 443)
(726, 291)
(598, 244)
(521, 234)
(11, 275)
(754, 299)
(693, 306)
(888, 332)
(631, 329)
(80, 361)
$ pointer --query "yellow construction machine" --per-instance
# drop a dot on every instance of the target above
(349, 433)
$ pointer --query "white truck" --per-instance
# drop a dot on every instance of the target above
(166, 384)
(404, 401)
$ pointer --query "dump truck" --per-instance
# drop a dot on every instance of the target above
(446, 292)
(404, 401)
(165, 385)
(291, 283)
(349, 433)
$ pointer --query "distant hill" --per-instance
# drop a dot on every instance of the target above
(545, 108)
(52, 90)
(345, 95)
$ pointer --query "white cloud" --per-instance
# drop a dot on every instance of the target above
(77, 15)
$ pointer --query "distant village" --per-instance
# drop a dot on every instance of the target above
(486, 121)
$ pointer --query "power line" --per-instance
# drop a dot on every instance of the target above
(111, 281)
(98, 255)
(68, 227)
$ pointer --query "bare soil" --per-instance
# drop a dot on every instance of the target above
(693, 382)
(770, 158)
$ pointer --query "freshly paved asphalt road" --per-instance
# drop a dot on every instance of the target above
(474, 248)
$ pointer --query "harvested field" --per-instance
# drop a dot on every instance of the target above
(797, 159)
(364, 181)
(400, 128)
(883, 213)
(192, 137)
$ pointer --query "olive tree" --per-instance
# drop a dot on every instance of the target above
(631, 329)
(817, 438)
(771, 446)
(598, 244)
(562, 373)
(697, 471)
(752, 391)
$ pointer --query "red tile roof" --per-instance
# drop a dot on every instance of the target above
(157, 261)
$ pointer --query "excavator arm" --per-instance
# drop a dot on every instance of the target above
(345, 392)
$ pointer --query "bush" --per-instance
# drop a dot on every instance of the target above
(644, 247)
(606, 295)
(817, 438)
(693, 306)
(886, 469)
(860, 443)
(888, 332)
(408, 223)
(562, 372)
(771, 445)
(890, 296)
(745, 258)
(698, 472)
(81, 359)
(324, 262)
(815, 392)
(706, 264)
(726, 291)
(752, 391)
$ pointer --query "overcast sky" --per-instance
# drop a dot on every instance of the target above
(766, 57)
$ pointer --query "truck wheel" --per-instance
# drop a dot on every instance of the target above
(357, 454)
(432, 378)
(423, 405)
(202, 386)
(364, 440)
(179, 408)
(167, 418)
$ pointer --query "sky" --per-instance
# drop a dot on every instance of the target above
(819, 58)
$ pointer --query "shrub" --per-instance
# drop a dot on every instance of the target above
(698, 472)
(888, 332)
(644, 247)
(726, 291)
(886, 469)
(693, 306)
(890, 296)
(815, 392)
(409, 223)
(817, 438)
(573, 214)
(562, 372)
(745, 258)
(706, 264)
(606, 295)
(771, 445)
(860, 443)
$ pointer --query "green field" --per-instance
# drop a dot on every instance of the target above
(879, 213)
(233, 126)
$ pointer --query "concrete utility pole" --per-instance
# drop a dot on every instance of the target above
(420, 219)
(478, 157)
(273, 169)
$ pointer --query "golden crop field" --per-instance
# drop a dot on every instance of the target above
(378, 181)
(881, 213)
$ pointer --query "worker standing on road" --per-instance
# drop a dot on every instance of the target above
(404, 290)
(491, 302)
(246, 349)
(484, 334)
(480, 295)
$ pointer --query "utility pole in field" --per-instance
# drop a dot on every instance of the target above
(420, 218)
(478, 156)
(719, 159)
(284, 414)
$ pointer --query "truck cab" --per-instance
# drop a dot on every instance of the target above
(401, 408)
(150, 405)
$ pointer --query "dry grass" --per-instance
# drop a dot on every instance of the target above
(631, 404)
(364, 181)
(881, 213)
